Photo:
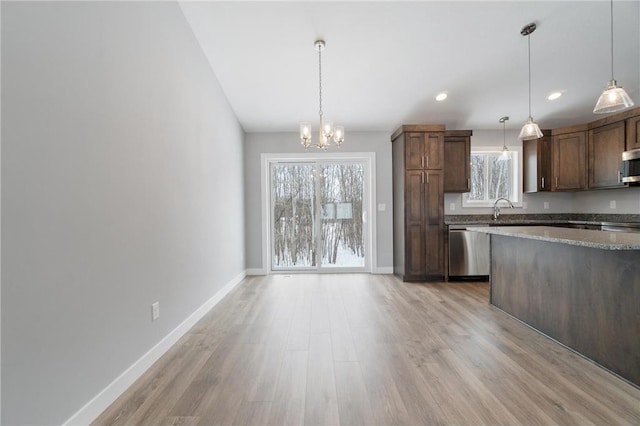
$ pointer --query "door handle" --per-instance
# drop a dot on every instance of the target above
(543, 182)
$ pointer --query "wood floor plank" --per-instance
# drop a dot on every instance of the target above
(357, 349)
(288, 403)
(354, 406)
(321, 404)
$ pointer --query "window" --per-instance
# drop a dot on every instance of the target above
(494, 175)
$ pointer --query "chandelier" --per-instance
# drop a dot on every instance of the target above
(326, 130)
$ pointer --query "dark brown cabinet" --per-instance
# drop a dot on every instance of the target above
(536, 167)
(418, 202)
(633, 133)
(457, 160)
(568, 160)
(606, 144)
(424, 151)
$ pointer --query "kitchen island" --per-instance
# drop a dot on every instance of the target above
(579, 287)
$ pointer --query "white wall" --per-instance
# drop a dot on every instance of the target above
(122, 184)
(259, 143)
(627, 201)
(597, 201)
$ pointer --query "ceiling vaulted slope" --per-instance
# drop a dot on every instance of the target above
(386, 61)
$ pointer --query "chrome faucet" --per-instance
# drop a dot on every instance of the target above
(496, 209)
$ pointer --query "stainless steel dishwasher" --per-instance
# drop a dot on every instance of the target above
(469, 255)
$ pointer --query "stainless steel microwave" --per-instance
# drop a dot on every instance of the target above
(631, 166)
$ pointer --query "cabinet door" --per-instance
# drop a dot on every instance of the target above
(434, 235)
(633, 133)
(414, 151)
(569, 161)
(434, 150)
(414, 222)
(434, 197)
(606, 145)
(457, 164)
(434, 229)
(537, 164)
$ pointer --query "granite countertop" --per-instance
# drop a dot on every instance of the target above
(578, 237)
(540, 219)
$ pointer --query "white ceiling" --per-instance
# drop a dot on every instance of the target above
(385, 61)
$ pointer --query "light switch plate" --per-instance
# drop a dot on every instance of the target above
(546, 205)
(382, 207)
(612, 204)
(452, 206)
(155, 311)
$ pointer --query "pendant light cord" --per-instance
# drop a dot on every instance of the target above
(611, 14)
(529, 45)
(320, 79)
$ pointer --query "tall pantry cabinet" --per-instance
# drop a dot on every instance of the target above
(418, 202)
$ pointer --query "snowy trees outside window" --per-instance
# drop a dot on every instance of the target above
(494, 175)
(317, 207)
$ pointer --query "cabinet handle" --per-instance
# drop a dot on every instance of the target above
(422, 162)
(543, 182)
(422, 174)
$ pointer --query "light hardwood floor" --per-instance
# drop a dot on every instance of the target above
(363, 349)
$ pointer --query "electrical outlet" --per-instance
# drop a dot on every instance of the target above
(382, 207)
(155, 311)
(524, 205)
(546, 205)
(452, 206)
(612, 204)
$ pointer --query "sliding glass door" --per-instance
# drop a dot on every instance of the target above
(318, 216)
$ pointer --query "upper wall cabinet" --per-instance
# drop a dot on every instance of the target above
(633, 132)
(568, 159)
(536, 167)
(457, 160)
(606, 144)
(424, 150)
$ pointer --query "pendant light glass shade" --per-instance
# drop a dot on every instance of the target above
(614, 98)
(530, 130)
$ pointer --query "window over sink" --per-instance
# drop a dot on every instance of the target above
(494, 174)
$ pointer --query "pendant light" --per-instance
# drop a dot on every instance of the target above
(614, 98)
(505, 151)
(326, 130)
(530, 130)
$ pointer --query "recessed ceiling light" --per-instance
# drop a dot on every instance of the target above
(441, 97)
(553, 96)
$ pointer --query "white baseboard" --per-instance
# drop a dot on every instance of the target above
(383, 270)
(256, 271)
(108, 395)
